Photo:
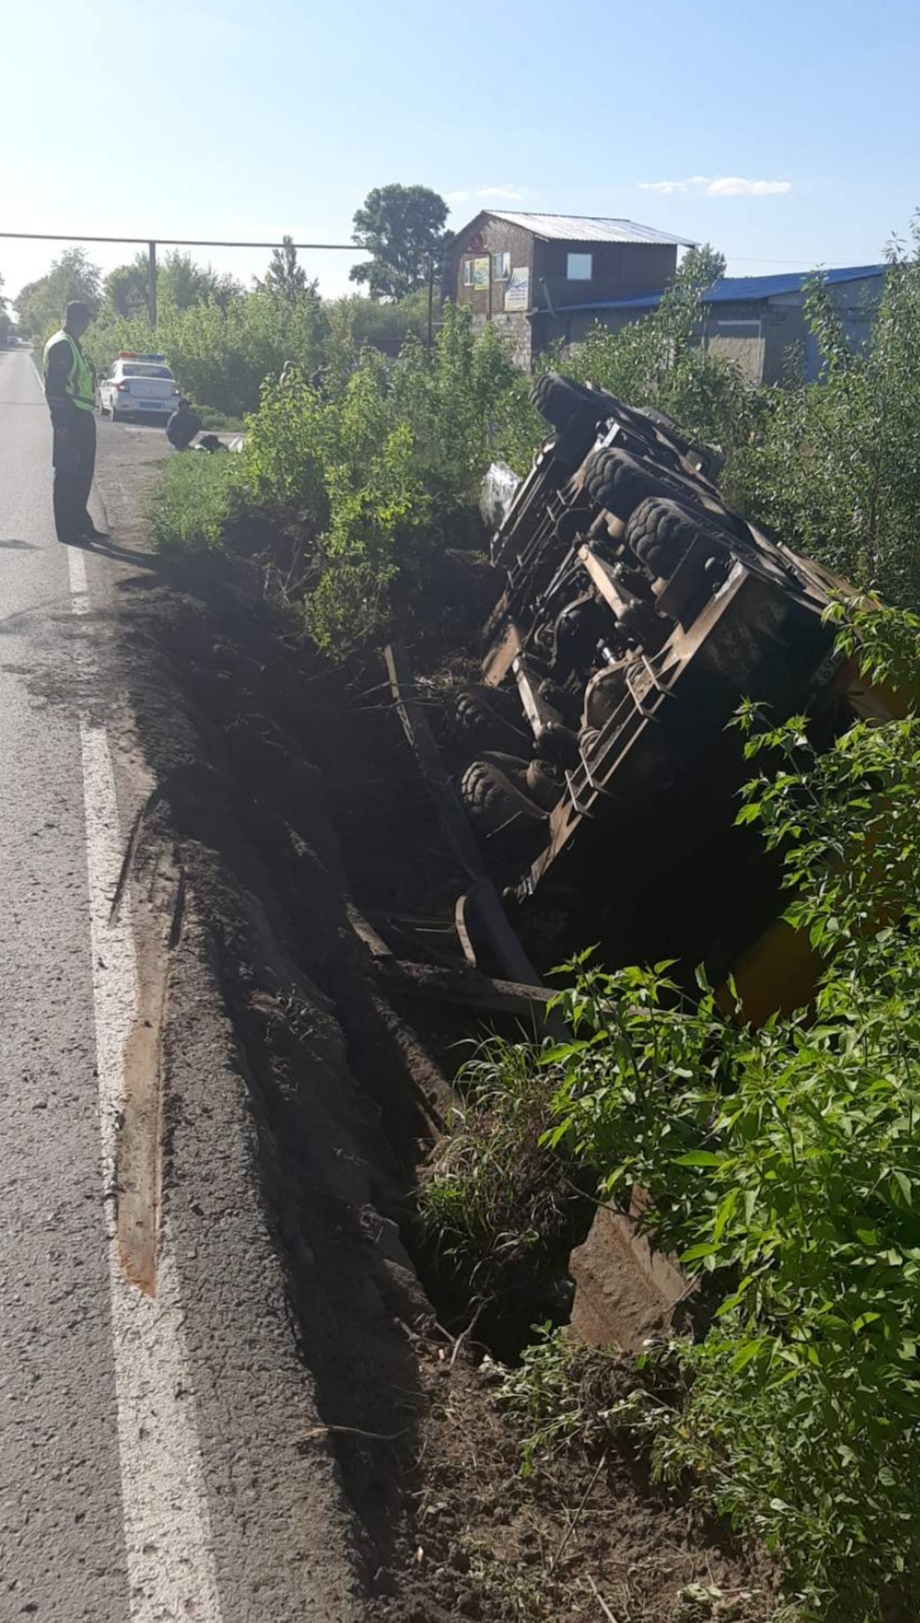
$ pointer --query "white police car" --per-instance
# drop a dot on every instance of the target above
(139, 386)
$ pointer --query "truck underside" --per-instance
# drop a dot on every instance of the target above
(597, 758)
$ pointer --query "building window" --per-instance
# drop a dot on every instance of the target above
(467, 273)
(501, 267)
(580, 267)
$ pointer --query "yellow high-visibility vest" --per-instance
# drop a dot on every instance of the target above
(79, 385)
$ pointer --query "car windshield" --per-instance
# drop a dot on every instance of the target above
(136, 371)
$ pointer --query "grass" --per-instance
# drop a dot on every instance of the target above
(192, 502)
(565, 1393)
(497, 1198)
(213, 421)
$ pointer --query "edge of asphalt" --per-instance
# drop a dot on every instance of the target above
(285, 1540)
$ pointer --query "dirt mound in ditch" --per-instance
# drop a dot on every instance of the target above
(287, 791)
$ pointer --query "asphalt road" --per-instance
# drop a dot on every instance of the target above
(149, 1459)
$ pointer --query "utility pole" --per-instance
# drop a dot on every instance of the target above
(152, 283)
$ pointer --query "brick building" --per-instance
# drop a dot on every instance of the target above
(519, 270)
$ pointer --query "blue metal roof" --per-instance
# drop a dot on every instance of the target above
(738, 289)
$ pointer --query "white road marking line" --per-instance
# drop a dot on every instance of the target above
(171, 1571)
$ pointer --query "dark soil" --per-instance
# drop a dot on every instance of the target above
(484, 1542)
(289, 793)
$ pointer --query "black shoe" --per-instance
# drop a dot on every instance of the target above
(94, 535)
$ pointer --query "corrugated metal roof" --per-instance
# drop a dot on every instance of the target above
(739, 289)
(732, 289)
(587, 228)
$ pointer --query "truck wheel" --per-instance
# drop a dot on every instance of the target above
(483, 720)
(500, 810)
(660, 532)
(618, 482)
(556, 399)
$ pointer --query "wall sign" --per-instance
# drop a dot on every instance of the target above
(517, 292)
(482, 269)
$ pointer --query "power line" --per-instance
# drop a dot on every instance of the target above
(177, 242)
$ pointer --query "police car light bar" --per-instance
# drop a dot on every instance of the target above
(134, 355)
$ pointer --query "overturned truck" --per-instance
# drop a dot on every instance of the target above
(596, 758)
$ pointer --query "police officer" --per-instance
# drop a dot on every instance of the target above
(70, 392)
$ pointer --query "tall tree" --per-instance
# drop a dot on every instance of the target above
(125, 288)
(182, 283)
(403, 226)
(285, 275)
(72, 276)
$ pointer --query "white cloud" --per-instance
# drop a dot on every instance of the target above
(457, 197)
(723, 186)
(666, 187)
(735, 186)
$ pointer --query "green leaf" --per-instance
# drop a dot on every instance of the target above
(745, 1355)
(864, 1319)
(699, 1158)
(749, 813)
(905, 1186)
(697, 1252)
(725, 1213)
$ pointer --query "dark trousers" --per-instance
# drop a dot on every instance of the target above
(74, 462)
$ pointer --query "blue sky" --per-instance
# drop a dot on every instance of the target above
(788, 135)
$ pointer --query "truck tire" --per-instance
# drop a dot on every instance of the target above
(618, 482)
(557, 399)
(482, 720)
(660, 532)
(500, 810)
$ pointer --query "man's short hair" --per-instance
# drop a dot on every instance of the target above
(77, 308)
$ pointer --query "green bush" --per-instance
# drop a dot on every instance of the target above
(192, 502)
(786, 1163)
(220, 351)
(380, 474)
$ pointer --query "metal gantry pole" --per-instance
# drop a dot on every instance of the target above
(178, 242)
(152, 283)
